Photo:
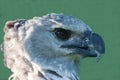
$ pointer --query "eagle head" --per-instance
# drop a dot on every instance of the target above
(52, 45)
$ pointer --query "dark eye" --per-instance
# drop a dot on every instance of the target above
(62, 34)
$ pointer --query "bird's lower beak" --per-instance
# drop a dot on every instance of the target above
(92, 46)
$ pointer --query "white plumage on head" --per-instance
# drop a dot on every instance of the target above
(49, 47)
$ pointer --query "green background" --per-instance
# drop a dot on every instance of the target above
(102, 15)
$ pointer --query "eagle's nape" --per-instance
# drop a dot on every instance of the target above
(49, 47)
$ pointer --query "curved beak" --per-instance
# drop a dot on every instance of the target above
(92, 46)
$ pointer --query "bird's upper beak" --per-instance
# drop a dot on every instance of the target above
(91, 46)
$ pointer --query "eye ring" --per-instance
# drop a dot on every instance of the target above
(62, 34)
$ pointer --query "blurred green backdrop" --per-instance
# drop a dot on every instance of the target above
(102, 15)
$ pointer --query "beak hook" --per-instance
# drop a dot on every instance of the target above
(99, 56)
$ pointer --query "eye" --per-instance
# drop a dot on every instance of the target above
(62, 34)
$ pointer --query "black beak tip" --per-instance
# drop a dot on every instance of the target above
(98, 43)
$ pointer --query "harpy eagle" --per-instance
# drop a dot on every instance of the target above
(49, 47)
